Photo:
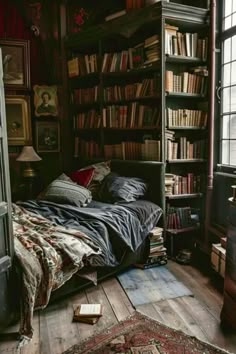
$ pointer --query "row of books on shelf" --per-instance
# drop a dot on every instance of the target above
(147, 87)
(134, 115)
(157, 255)
(187, 184)
(86, 148)
(184, 149)
(141, 55)
(185, 82)
(185, 43)
(181, 217)
(90, 119)
(125, 150)
(85, 95)
(186, 118)
(131, 150)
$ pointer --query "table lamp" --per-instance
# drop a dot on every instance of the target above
(28, 155)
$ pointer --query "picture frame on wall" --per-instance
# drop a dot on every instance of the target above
(18, 119)
(16, 63)
(45, 100)
(47, 137)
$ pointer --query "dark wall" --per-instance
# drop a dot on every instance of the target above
(16, 19)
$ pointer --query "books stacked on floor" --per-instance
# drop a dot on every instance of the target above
(157, 254)
(87, 313)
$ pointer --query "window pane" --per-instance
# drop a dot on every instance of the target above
(225, 127)
(225, 152)
(233, 74)
(234, 5)
(233, 126)
(226, 75)
(227, 50)
(233, 46)
(234, 19)
(232, 160)
(226, 100)
(228, 7)
(233, 99)
(228, 22)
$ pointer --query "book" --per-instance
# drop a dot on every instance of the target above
(115, 15)
(89, 320)
(88, 310)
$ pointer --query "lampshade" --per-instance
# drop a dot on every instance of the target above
(28, 154)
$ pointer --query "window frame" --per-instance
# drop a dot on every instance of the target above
(224, 35)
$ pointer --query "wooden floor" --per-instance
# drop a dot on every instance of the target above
(198, 315)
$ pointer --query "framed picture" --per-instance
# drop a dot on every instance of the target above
(47, 137)
(18, 119)
(45, 100)
(16, 63)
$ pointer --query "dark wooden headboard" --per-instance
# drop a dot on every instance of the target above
(151, 171)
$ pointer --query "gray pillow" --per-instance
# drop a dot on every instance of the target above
(65, 192)
(116, 188)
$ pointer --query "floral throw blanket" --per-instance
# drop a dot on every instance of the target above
(48, 256)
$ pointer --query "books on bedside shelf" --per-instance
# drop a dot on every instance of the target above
(157, 255)
(87, 313)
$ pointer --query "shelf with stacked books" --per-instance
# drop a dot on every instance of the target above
(185, 110)
(115, 86)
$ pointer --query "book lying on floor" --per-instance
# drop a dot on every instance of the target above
(90, 320)
(88, 310)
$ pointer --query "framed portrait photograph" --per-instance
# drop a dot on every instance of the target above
(18, 119)
(47, 137)
(45, 100)
(16, 63)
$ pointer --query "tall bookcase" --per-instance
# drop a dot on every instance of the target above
(139, 91)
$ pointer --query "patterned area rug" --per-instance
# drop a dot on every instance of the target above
(139, 334)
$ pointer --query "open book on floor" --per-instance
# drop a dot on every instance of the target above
(87, 313)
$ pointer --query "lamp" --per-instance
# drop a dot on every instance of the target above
(28, 155)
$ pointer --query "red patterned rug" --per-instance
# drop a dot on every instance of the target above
(139, 334)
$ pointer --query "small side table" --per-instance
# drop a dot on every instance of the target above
(26, 188)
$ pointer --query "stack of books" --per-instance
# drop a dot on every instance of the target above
(158, 255)
(87, 313)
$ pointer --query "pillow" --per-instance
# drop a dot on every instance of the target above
(121, 189)
(64, 192)
(101, 170)
(62, 177)
(83, 177)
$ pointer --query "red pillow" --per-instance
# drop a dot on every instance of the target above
(83, 177)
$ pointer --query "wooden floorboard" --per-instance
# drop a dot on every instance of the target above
(54, 331)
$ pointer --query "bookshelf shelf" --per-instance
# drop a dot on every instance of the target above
(186, 128)
(184, 196)
(184, 59)
(180, 161)
(135, 99)
(130, 129)
(84, 80)
(184, 95)
(184, 230)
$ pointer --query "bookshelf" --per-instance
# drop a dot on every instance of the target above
(185, 127)
(139, 91)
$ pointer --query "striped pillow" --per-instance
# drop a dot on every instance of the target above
(65, 192)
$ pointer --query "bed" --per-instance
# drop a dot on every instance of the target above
(89, 243)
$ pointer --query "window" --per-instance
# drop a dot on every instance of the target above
(228, 95)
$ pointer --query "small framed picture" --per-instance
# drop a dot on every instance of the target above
(16, 63)
(45, 100)
(47, 137)
(18, 119)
